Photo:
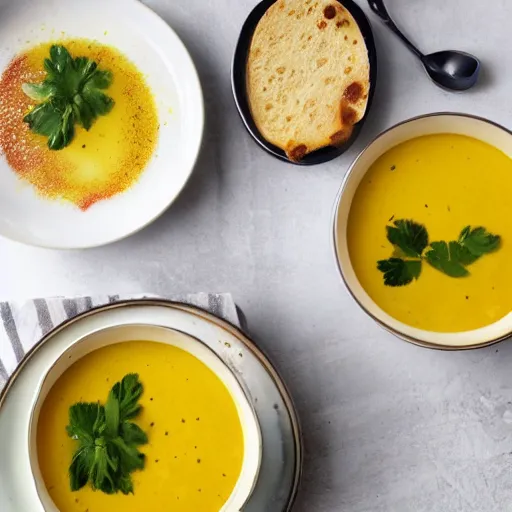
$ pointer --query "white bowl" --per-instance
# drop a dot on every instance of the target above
(158, 53)
(462, 124)
(123, 333)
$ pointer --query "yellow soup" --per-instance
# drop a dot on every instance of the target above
(99, 163)
(195, 451)
(445, 182)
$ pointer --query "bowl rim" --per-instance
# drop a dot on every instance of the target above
(203, 315)
(238, 83)
(334, 241)
(251, 464)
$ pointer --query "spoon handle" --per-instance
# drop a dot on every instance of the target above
(378, 7)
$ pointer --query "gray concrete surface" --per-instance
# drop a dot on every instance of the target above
(387, 426)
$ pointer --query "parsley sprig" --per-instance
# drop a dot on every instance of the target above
(72, 92)
(410, 240)
(108, 441)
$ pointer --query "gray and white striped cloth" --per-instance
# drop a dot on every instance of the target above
(23, 323)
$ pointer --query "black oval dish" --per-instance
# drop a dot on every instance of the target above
(238, 81)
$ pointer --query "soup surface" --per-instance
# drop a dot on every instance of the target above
(195, 451)
(445, 182)
(99, 163)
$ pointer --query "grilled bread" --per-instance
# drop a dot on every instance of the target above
(307, 75)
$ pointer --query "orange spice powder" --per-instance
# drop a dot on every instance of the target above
(98, 164)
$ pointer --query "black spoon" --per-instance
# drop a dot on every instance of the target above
(450, 69)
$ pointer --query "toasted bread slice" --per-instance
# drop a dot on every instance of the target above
(307, 75)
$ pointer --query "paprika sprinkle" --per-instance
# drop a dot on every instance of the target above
(99, 163)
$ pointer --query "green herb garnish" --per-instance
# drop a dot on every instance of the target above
(107, 453)
(446, 258)
(410, 240)
(70, 93)
(398, 272)
(478, 241)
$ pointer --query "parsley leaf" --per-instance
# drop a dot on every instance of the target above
(461, 254)
(129, 456)
(104, 465)
(399, 272)
(125, 485)
(85, 421)
(409, 236)
(79, 469)
(39, 92)
(64, 132)
(478, 241)
(444, 257)
(70, 93)
(132, 433)
(128, 392)
(44, 119)
(112, 415)
(108, 451)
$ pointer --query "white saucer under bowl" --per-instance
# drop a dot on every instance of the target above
(271, 469)
(79, 348)
(156, 50)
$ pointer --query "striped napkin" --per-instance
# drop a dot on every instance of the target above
(24, 323)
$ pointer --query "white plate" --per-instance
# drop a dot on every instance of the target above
(160, 55)
(281, 455)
